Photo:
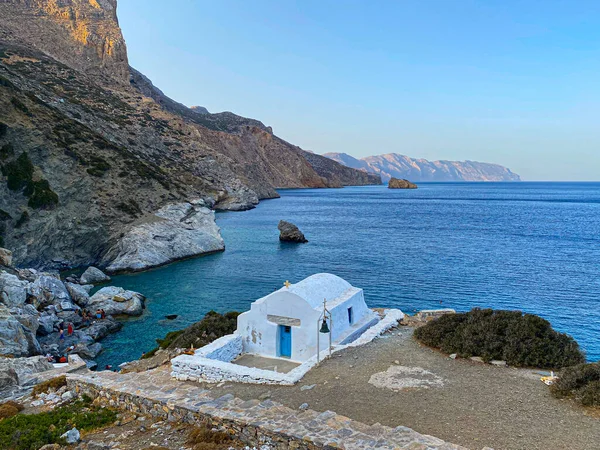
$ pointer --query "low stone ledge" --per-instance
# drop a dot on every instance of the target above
(254, 423)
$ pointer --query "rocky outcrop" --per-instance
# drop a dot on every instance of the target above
(400, 166)
(79, 33)
(93, 275)
(34, 306)
(288, 232)
(117, 301)
(175, 232)
(395, 183)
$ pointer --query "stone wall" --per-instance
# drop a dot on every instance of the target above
(254, 422)
(226, 348)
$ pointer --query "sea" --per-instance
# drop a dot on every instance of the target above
(529, 246)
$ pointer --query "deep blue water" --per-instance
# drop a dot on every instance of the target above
(528, 246)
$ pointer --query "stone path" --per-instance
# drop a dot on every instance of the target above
(255, 422)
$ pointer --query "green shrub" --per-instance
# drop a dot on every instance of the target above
(211, 327)
(18, 104)
(522, 340)
(40, 195)
(99, 166)
(18, 172)
(130, 207)
(3, 129)
(32, 431)
(581, 382)
(6, 151)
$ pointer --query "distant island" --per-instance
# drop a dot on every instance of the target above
(403, 167)
(395, 183)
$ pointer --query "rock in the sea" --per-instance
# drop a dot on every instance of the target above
(116, 300)
(102, 328)
(395, 183)
(13, 291)
(92, 275)
(88, 351)
(5, 257)
(175, 232)
(288, 232)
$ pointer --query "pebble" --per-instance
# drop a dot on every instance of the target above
(453, 356)
(307, 387)
(303, 406)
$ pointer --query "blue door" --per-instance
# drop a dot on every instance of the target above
(285, 341)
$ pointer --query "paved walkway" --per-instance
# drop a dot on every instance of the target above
(296, 429)
(277, 365)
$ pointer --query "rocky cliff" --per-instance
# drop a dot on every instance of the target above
(83, 34)
(90, 150)
(400, 166)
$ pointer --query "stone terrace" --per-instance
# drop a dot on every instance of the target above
(254, 422)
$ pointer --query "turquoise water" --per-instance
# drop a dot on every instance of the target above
(528, 246)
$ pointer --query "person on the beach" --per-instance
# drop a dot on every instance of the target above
(98, 314)
(70, 329)
(102, 314)
(61, 334)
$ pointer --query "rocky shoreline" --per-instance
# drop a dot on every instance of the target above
(42, 314)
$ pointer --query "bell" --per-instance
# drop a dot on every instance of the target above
(324, 327)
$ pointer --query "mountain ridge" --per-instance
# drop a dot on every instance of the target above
(401, 166)
(90, 148)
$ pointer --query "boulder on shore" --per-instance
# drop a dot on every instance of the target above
(288, 232)
(395, 183)
(174, 232)
(116, 300)
(15, 338)
(5, 257)
(92, 275)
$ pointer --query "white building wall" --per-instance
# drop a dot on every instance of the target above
(260, 335)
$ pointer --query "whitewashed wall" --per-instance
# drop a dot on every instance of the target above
(198, 367)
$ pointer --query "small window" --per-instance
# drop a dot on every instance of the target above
(350, 316)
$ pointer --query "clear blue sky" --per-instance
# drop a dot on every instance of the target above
(512, 82)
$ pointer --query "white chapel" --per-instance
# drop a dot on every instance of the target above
(286, 323)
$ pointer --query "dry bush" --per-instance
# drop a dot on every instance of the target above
(203, 438)
(581, 382)
(9, 409)
(46, 386)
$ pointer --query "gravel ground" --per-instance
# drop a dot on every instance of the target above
(467, 403)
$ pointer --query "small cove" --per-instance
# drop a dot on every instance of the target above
(528, 246)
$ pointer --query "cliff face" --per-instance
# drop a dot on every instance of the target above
(83, 34)
(400, 166)
(90, 150)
